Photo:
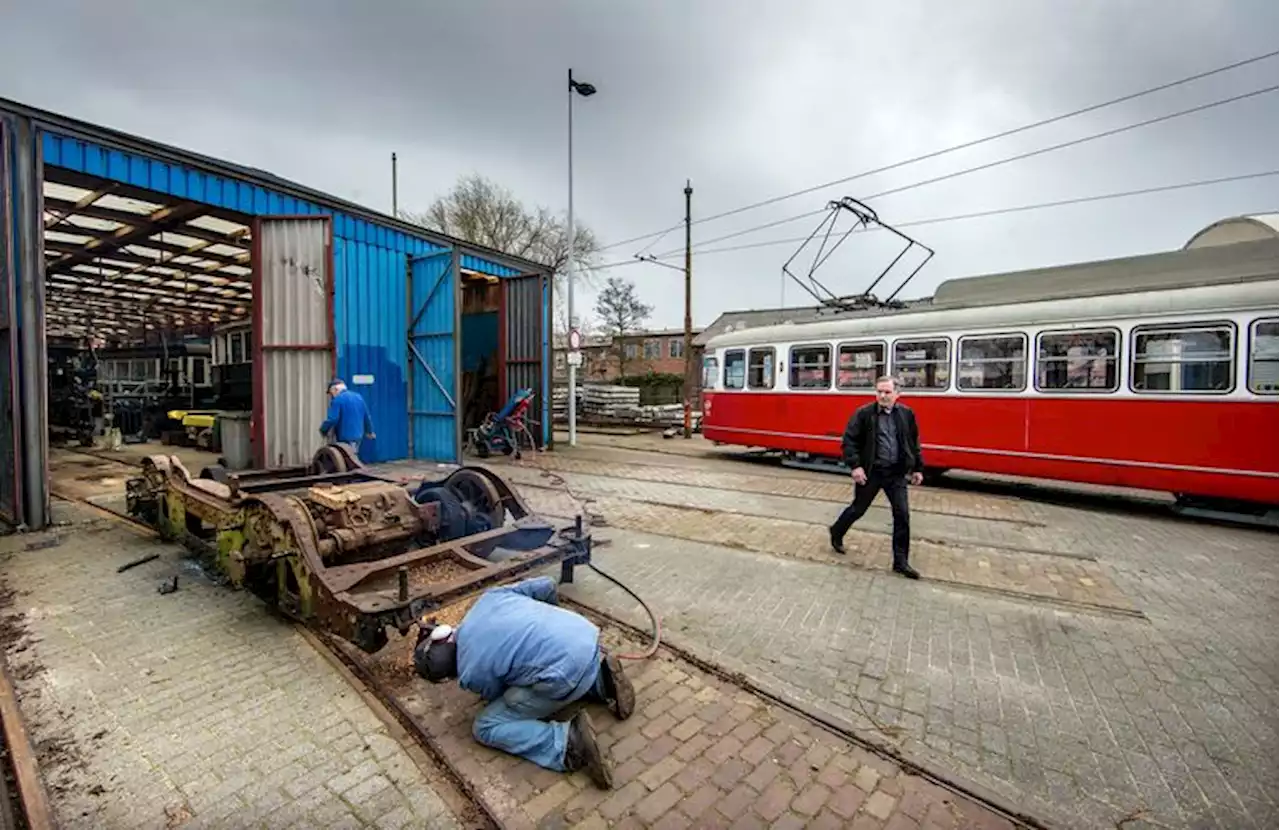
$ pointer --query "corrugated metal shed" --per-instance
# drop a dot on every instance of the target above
(293, 337)
(371, 256)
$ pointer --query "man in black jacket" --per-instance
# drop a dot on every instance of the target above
(882, 446)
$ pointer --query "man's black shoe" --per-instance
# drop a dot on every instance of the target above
(836, 544)
(618, 691)
(907, 571)
(582, 752)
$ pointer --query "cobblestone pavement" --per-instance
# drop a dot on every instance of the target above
(195, 709)
(1171, 719)
(1061, 578)
(698, 752)
(827, 488)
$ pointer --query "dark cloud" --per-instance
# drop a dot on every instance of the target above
(748, 99)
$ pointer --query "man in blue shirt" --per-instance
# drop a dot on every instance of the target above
(528, 659)
(348, 420)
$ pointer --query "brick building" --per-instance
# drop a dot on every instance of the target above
(660, 352)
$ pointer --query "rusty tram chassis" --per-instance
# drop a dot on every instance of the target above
(351, 552)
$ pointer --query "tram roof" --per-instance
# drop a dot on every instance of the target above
(1214, 295)
(1215, 265)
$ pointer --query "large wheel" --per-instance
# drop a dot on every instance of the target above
(478, 492)
(329, 460)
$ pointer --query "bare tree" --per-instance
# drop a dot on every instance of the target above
(478, 210)
(621, 312)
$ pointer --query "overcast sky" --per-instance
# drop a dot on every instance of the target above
(748, 99)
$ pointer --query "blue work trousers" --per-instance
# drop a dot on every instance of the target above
(516, 722)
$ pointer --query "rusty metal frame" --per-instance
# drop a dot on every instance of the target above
(262, 522)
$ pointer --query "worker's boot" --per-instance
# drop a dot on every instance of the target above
(618, 691)
(583, 752)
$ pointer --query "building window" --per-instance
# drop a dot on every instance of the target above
(998, 362)
(1264, 357)
(1079, 361)
(675, 347)
(652, 349)
(922, 364)
(631, 350)
(735, 369)
(859, 364)
(811, 367)
(760, 369)
(710, 371)
(1186, 359)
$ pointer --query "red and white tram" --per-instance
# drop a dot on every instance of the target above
(1168, 389)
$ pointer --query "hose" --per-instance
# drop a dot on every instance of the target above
(655, 623)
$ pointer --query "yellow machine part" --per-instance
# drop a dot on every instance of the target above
(196, 420)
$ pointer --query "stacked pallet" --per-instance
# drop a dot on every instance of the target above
(610, 403)
(560, 403)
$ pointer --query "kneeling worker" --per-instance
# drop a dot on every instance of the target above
(528, 659)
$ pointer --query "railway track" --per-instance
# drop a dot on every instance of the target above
(455, 783)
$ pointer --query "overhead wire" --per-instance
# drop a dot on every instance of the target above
(957, 147)
(1102, 197)
(996, 163)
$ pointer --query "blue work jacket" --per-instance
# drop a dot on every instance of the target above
(517, 636)
(348, 417)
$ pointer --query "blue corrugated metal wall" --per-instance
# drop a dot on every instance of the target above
(371, 263)
(434, 411)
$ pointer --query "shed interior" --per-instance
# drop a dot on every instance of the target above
(144, 292)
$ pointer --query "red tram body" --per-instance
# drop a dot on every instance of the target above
(1169, 388)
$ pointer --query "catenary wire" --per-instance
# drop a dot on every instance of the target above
(955, 148)
(985, 213)
(992, 164)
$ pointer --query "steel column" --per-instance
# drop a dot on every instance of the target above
(33, 363)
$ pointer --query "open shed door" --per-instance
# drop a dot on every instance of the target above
(294, 356)
(10, 491)
(433, 357)
(520, 333)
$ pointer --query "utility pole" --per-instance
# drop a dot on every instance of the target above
(688, 309)
(395, 202)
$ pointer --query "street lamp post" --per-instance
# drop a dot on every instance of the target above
(585, 90)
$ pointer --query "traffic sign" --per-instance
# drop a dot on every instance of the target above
(575, 340)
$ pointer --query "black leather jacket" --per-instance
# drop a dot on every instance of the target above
(859, 442)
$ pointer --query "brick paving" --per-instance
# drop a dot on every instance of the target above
(813, 487)
(698, 752)
(1075, 581)
(194, 709)
(1076, 715)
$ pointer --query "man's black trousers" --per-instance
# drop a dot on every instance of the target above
(894, 484)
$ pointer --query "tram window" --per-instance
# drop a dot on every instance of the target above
(760, 369)
(993, 363)
(922, 364)
(1078, 361)
(859, 365)
(197, 371)
(1191, 359)
(237, 348)
(735, 369)
(710, 371)
(810, 367)
(1264, 357)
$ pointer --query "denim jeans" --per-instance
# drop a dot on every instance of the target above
(516, 722)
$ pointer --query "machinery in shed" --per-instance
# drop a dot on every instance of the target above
(353, 553)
